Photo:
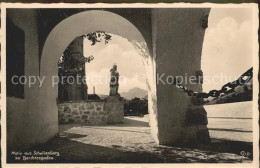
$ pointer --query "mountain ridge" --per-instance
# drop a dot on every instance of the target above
(134, 92)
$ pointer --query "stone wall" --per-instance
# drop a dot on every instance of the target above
(98, 112)
(91, 113)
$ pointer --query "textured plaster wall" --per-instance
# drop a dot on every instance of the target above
(25, 122)
(178, 54)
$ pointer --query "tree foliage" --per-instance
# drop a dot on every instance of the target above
(74, 63)
(97, 36)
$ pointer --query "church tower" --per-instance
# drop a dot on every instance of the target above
(72, 69)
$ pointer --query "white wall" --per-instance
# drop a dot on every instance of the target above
(26, 123)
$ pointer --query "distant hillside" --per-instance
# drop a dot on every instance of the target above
(240, 94)
(135, 92)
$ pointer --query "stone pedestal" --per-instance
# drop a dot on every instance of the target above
(115, 109)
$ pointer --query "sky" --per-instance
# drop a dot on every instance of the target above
(227, 45)
(117, 51)
(226, 51)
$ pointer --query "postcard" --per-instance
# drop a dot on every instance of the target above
(129, 85)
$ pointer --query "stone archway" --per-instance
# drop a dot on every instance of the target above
(77, 25)
(174, 37)
(174, 119)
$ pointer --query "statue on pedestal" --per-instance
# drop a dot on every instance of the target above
(114, 77)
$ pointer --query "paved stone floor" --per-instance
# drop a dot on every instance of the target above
(231, 121)
(132, 142)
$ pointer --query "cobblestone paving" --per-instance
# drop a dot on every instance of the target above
(132, 142)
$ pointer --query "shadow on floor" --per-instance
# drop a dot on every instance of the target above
(71, 135)
(135, 123)
(75, 152)
(228, 130)
(131, 123)
(223, 146)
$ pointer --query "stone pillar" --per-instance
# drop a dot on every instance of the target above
(115, 109)
(177, 45)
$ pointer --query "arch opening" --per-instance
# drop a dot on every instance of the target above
(74, 26)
